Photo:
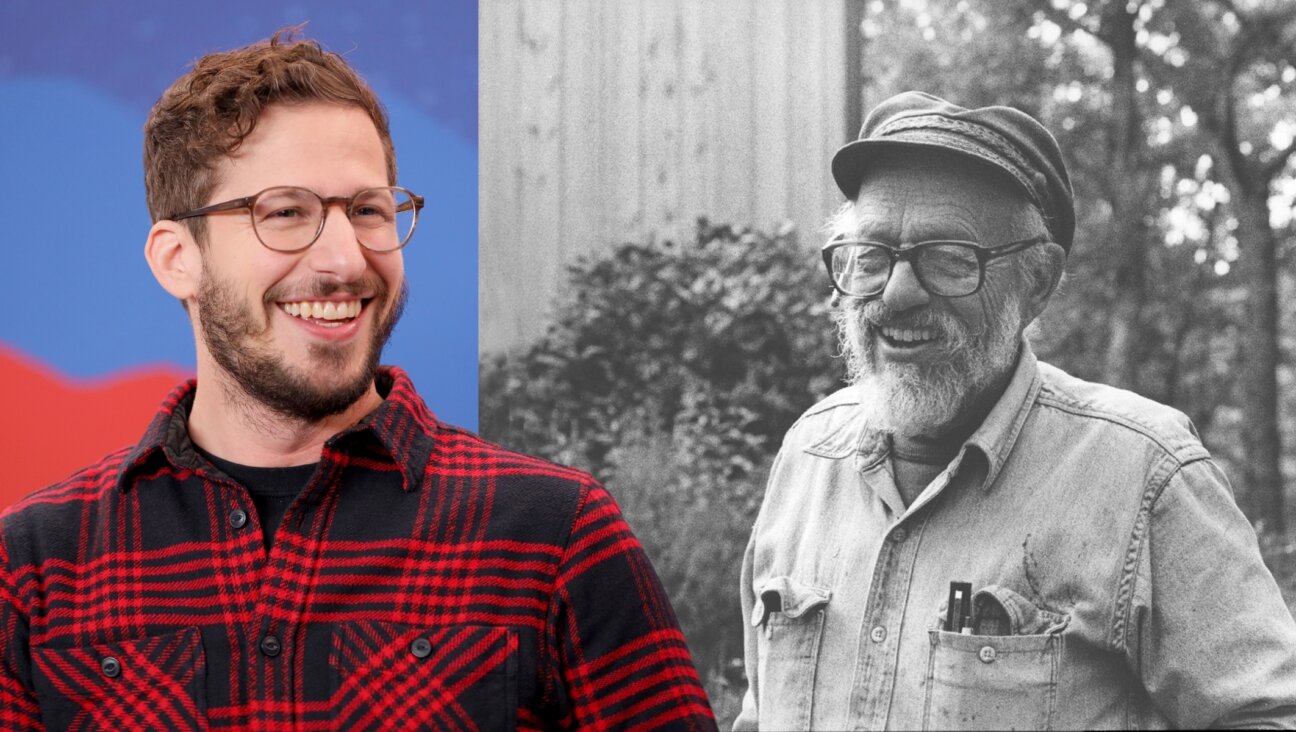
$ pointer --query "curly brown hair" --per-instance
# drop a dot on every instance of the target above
(207, 113)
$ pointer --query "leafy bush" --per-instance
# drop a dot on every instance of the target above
(671, 372)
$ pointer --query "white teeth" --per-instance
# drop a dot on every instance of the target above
(906, 335)
(323, 310)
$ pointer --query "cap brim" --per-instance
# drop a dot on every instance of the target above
(851, 161)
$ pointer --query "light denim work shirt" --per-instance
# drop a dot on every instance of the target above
(1093, 519)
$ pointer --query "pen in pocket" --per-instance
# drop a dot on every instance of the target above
(958, 612)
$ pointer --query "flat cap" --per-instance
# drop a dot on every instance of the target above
(1006, 138)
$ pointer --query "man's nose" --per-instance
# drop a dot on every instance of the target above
(903, 291)
(338, 251)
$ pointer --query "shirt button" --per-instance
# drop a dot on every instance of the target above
(238, 518)
(986, 654)
(110, 666)
(878, 634)
(270, 646)
(421, 647)
(899, 535)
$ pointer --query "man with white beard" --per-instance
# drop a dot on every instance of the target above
(965, 537)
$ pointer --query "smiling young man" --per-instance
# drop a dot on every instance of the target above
(297, 542)
(965, 537)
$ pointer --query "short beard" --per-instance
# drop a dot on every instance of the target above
(912, 399)
(232, 332)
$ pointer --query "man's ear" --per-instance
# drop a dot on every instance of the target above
(173, 255)
(1040, 287)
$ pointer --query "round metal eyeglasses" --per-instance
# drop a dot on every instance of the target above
(861, 268)
(290, 218)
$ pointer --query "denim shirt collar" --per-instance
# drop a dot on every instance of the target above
(995, 437)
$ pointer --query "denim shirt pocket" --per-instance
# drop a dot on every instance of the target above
(790, 615)
(996, 681)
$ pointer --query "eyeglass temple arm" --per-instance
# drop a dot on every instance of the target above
(415, 200)
(1015, 246)
(226, 206)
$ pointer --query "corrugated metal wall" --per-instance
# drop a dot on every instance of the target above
(603, 121)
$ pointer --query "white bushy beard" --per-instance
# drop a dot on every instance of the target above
(924, 399)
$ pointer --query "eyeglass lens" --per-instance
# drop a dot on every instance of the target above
(949, 270)
(289, 218)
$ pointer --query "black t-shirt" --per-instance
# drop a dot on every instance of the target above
(272, 489)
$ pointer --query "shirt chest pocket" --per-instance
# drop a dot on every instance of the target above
(991, 682)
(789, 617)
(156, 682)
(390, 676)
(996, 681)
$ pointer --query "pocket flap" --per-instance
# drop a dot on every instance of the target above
(1023, 616)
(393, 676)
(788, 596)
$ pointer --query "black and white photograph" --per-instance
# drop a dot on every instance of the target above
(938, 352)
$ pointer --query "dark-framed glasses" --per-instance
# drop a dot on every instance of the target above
(862, 268)
(291, 218)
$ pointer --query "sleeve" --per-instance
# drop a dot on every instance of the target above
(18, 709)
(1216, 644)
(621, 655)
(747, 720)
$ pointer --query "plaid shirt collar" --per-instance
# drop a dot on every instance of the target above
(167, 436)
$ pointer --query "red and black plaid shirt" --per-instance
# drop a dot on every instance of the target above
(424, 578)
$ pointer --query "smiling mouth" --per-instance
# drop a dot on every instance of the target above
(328, 313)
(906, 337)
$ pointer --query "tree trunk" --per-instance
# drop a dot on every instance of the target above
(854, 10)
(1260, 355)
(1127, 191)
(1248, 184)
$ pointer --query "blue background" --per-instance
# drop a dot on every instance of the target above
(76, 82)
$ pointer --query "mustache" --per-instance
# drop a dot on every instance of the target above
(878, 314)
(323, 287)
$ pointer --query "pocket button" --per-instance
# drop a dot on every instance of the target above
(986, 654)
(110, 666)
(421, 647)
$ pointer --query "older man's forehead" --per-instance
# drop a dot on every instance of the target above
(929, 198)
(907, 219)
